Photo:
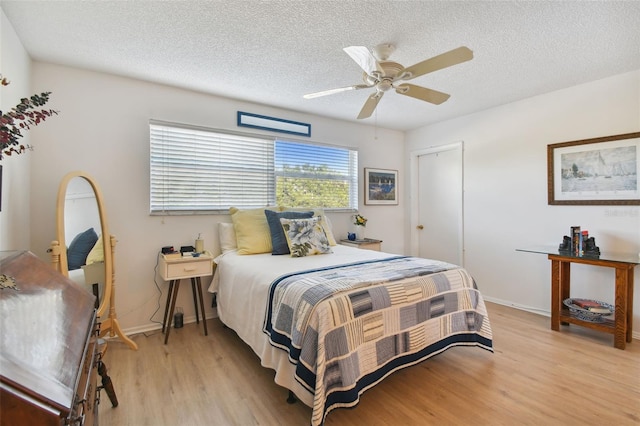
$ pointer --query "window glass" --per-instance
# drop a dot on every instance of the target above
(315, 176)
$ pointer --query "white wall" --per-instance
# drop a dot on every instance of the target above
(103, 129)
(505, 191)
(15, 65)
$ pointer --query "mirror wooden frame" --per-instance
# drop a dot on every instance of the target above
(59, 259)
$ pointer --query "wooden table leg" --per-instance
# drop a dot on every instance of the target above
(107, 384)
(622, 304)
(565, 285)
(166, 308)
(555, 294)
(204, 320)
(173, 306)
(630, 304)
(195, 299)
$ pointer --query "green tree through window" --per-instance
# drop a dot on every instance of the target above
(310, 175)
(312, 186)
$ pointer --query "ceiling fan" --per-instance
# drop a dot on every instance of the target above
(385, 75)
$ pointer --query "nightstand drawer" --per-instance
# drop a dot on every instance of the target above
(185, 268)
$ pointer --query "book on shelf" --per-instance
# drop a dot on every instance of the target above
(586, 303)
(591, 305)
(576, 240)
(602, 310)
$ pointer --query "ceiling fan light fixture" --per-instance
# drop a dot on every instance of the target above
(384, 85)
(383, 51)
(381, 74)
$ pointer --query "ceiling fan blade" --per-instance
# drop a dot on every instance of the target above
(422, 93)
(333, 91)
(447, 59)
(364, 58)
(370, 105)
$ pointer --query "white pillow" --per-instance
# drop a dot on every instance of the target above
(227, 236)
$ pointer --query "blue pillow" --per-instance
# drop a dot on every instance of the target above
(278, 239)
(80, 247)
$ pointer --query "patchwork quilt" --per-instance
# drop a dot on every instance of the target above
(347, 327)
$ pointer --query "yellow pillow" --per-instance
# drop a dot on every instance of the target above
(326, 225)
(97, 253)
(252, 230)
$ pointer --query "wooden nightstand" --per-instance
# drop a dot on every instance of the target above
(366, 244)
(173, 270)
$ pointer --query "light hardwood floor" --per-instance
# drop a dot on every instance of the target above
(535, 377)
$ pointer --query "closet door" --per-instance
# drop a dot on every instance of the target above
(439, 226)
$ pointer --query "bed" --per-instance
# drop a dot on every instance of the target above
(328, 346)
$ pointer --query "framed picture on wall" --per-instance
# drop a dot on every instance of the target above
(599, 171)
(380, 187)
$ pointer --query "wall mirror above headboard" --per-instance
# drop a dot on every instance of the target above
(84, 250)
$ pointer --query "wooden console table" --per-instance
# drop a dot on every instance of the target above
(623, 263)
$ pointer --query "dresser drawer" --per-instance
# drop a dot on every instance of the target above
(174, 269)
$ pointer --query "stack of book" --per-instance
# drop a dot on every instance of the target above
(592, 306)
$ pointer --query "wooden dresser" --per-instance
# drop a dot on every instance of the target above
(48, 337)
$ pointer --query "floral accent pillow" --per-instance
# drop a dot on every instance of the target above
(278, 239)
(305, 237)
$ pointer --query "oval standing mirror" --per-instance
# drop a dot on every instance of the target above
(81, 229)
(84, 250)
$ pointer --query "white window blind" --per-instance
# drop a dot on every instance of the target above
(198, 170)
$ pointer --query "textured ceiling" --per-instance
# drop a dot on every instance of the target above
(273, 52)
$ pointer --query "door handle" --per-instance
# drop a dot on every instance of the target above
(420, 227)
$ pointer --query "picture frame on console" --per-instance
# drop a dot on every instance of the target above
(380, 187)
(598, 171)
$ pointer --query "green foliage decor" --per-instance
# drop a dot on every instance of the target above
(20, 119)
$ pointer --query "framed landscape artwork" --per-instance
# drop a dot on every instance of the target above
(380, 187)
(599, 171)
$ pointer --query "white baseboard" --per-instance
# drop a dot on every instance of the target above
(154, 326)
(546, 313)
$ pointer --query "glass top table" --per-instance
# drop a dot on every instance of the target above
(623, 263)
(604, 255)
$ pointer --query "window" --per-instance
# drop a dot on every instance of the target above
(198, 170)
